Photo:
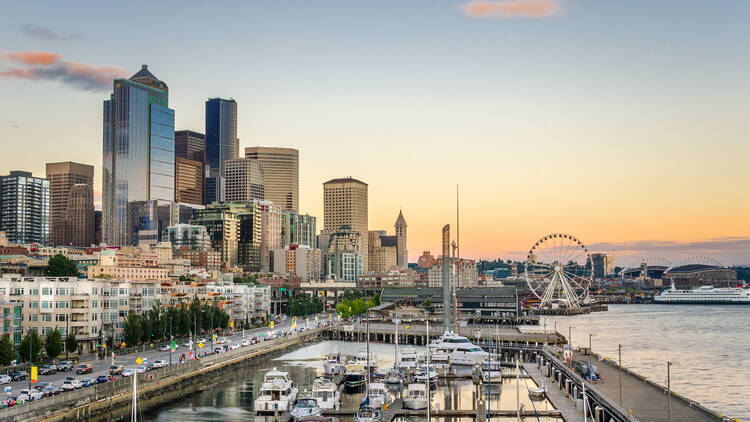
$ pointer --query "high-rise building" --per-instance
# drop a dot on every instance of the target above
(192, 237)
(345, 205)
(71, 227)
(138, 151)
(402, 259)
(301, 261)
(188, 181)
(222, 224)
(222, 144)
(243, 180)
(381, 258)
(24, 208)
(189, 144)
(604, 264)
(150, 219)
(270, 237)
(297, 229)
(280, 172)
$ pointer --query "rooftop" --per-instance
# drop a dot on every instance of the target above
(345, 180)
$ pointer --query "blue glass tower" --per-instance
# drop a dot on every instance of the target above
(138, 151)
(222, 144)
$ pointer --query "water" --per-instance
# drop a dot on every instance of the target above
(231, 399)
(710, 343)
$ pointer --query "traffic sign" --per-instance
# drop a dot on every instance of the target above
(122, 344)
(139, 361)
(200, 345)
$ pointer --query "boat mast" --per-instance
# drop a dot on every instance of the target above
(367, 377)
(134, 414)
(395, 349)
(518, 390)
(428, 371)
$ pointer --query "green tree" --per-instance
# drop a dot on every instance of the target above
(60, 266)
(72, 343)
(132, 329)
(31, 343)
(53, 344)
(185, 278)
(7, 353)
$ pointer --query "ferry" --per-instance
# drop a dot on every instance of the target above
(460, 350)
(705, 295)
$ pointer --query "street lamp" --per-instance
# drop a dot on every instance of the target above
(170, 339)
(590, 349)
(669, 391)
(619, 361)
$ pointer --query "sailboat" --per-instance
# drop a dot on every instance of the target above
(367, 412)
(134, 413)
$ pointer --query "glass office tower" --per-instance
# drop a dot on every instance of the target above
(138, 151)
(222, 144)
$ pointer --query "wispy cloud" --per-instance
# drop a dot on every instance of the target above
(49, 34)
(11, 124)
(42, 65)
(507, 9)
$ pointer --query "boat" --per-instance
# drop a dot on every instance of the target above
(277, 393)
(393, 376)
(378, 394)
(440, 359)
(326, 394)
(705, 295)
(316, 418)
(459, 349)
(367, 360)
(354, 378)
(492, 371)
(306, 406)
(368, 414)
(408, 359)
(333, 364)
(538, 393)
(416, 396)
(422, 374)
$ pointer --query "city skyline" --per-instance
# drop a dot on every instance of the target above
(634, 144)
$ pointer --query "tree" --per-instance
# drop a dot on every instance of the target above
(53, 344)
(7, 353)
(60, 266)
(72, 343)
(32, 341)
(132, 329)
(185, 278)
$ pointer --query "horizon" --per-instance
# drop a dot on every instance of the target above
(622, 126)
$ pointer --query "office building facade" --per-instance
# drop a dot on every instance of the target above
(222, 144)
(298, 229)
(244, 180)
(345, 205)
(190, 145)
(25, 208)
(138, 151)
(71, 227)
(188, 181)
(281, 174)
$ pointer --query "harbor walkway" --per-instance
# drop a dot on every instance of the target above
(556, 396)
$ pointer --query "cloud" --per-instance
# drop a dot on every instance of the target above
(11, 124)
(42, 65)
(511, 8)
(44, 33)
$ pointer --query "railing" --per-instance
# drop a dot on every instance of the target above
(124, 384)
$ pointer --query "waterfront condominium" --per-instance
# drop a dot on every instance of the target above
(281, 174)
(345, 206)
(71, 206)
(24, 208)
(138, 151)
(222, 144)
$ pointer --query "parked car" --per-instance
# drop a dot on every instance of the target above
(116, 369)
(201, 340)
(101, 379)
(88, 382)
(140, 369)
(4, 379)
(41, 385)
(68, 385)
(47, 369)
(245, 343)
(76, 382)
(234, 346)
(222, 340)
(18, 375)
(188, 343)
(64, 366)
(50, 391)
(9, 402)
(164, 348)
(84, 368)
(160, 363)
(29, 395)
(128, 372)
(150, 367)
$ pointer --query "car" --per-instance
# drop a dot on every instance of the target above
(68, 385)
(18, 375)
(188, 343)
(50, 391)
(4, 379)
(140, 369)
(41, 385)
(9, 402)
(201, 340)
(245, 343)
(150, 367)
(47, 369)
(84, 368)
(164, 348)
(116, 369)
(222, 340)
(254, 340)
(160, 363)
(76, 382)
(218, 350)
(234, 346)
(128, 372)
(29, 395)
(64, 366)
(101, 379)
(88, 382)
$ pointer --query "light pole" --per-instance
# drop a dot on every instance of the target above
(669, 391)
(619, 361)
(170, 339)
(570, 338)
(590, 349)
(67, 334)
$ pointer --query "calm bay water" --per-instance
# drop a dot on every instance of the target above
(711, 344)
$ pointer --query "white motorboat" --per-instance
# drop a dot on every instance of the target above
(538, 393)
(378, 394)
(307, 406)
(326, 394)
(416, 396)
(368, 360)
(334, 365)
(440, 359)
(408, 359)
(460, 349)
(492, 372)
(368, 414)
(422, 374)
(277, 393)
(393, 376)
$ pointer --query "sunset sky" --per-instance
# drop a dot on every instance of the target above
(624, 123)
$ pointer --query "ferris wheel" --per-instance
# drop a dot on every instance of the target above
(559, 270)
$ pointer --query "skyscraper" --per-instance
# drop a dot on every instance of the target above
(189, 144)
(71, 220)
(297, 229)
(222, 144)
(281, 174)
(188, 181)
(243, 180)
(24, 208)
(345, 205)
(402, 258)
(138, 151)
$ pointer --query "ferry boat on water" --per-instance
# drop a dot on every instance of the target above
(459, 349)
(705, 295)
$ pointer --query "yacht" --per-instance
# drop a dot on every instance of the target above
(378, 394)
(440, 359)
(368, 414)
(307, 406)
(705, 295)
(366, 360)
(324, 391)
(492, 371)
(333, 364)
(354, 378)
(460, 350)
(416, 396)
(393, 376)
(408, 359)
(277, 393)
(422, 374)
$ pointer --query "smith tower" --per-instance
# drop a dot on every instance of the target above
(138, 151)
